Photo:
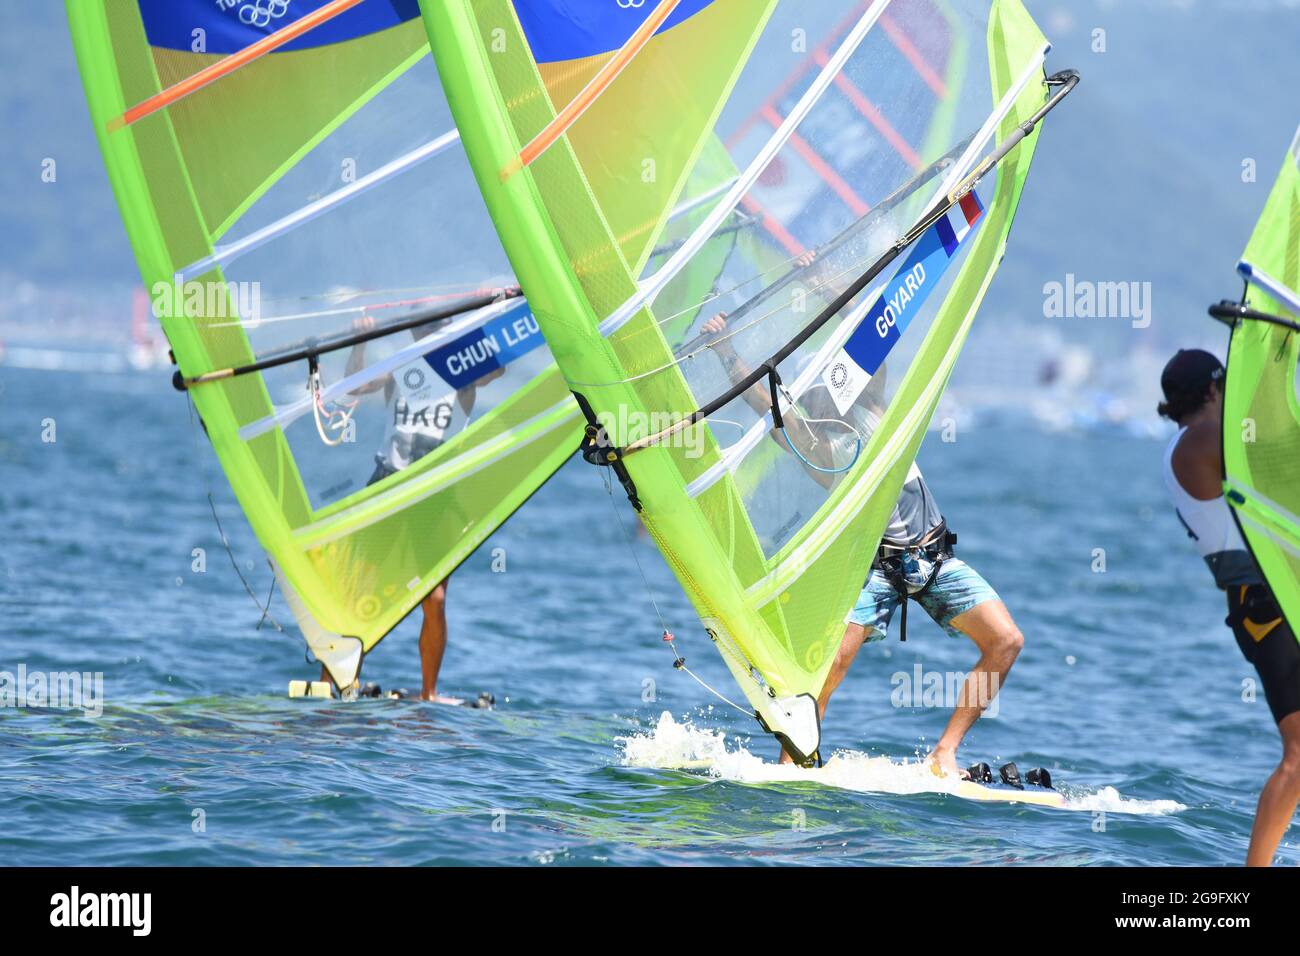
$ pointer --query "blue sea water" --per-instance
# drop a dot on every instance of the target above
(1130, 689)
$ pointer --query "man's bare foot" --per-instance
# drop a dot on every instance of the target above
(944, 762)
(785, 757)
(439, 699)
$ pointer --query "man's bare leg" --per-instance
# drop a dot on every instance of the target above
(855, 635)
(433, 641)
(1277, 801)
(990, 626)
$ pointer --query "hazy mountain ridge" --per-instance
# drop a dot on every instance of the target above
(1138, 176)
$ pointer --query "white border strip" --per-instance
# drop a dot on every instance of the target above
(1270, 534)
(287, 414)
(404, 495)
(1258, 277)
(1266, 510)
(225, 254)
(652, 286)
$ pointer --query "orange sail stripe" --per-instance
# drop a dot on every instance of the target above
(230, 64)
(913, 55)
(872, 113)
(773, 225)
(592, 91)
(820, 166)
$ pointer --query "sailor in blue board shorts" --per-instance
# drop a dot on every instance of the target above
(915, 560)
(916, 563)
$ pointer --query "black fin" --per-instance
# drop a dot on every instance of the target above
(980, 773)
(1010, 774)
(1039, 777)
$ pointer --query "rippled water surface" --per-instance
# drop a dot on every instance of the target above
(1130, 687)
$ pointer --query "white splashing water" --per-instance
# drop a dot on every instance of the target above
(683, 746)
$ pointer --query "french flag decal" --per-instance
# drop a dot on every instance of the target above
(881, 326)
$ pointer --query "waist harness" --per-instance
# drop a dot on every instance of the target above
(912, 569)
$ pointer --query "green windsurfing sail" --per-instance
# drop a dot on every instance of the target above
(332, 288)
(1261, 402)
(876, 155)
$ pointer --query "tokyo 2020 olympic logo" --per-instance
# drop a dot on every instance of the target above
(261, 13)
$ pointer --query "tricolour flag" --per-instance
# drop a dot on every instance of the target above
(883, 325)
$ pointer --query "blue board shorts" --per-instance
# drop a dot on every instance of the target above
(957, 588)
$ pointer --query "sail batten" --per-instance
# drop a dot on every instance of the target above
(608, 73)
(235, 61)
(1274, 287)
(650, 287)
(228, 252)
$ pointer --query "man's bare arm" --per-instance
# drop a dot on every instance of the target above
(357, 359)
(1198, 461)
(469, 394)
(757, 396)
(466, 396)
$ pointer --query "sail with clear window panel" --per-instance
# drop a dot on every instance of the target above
(856, 167)
(341, 310)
